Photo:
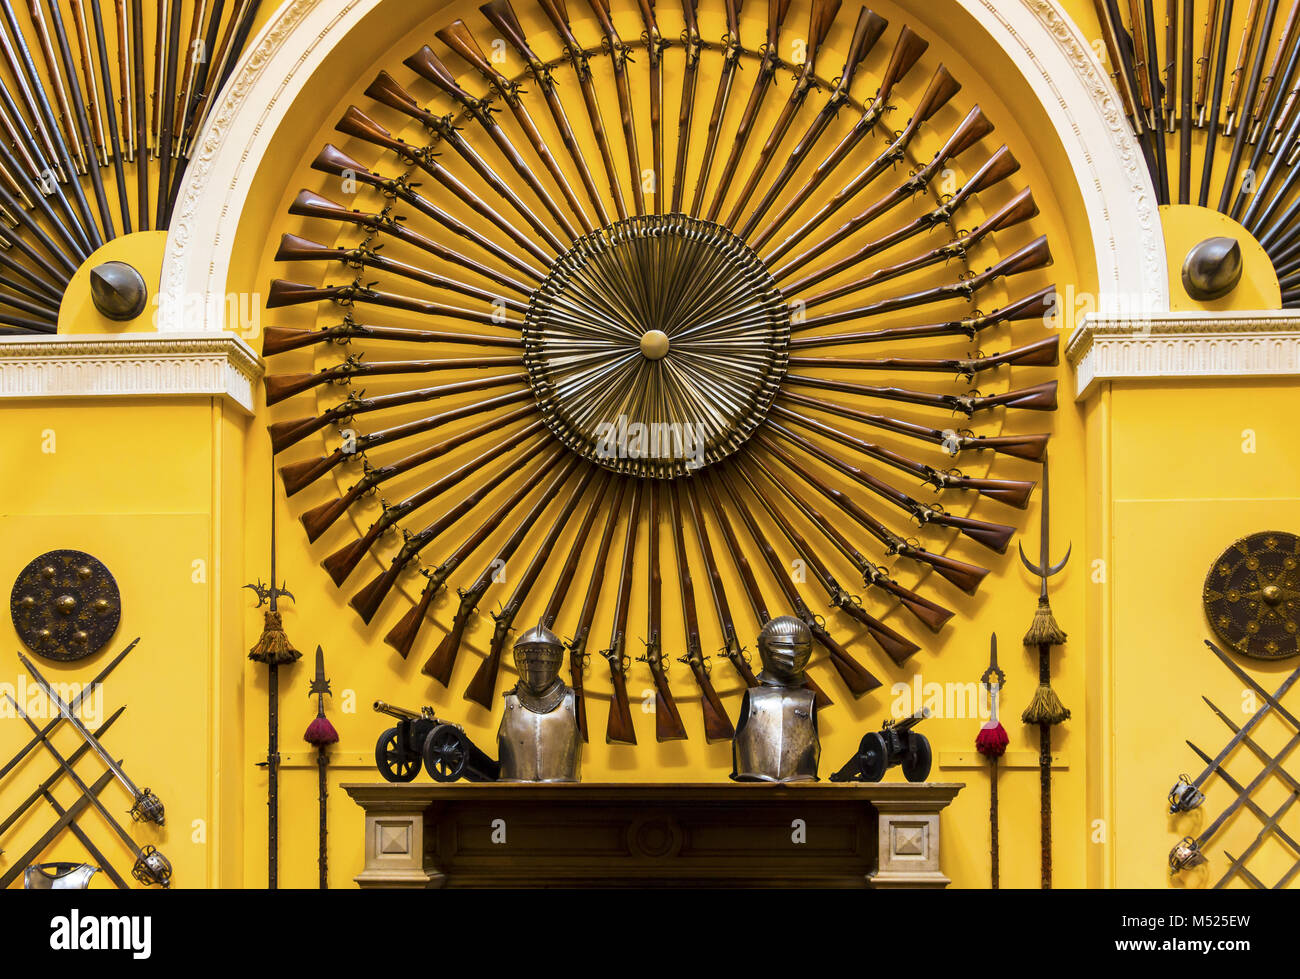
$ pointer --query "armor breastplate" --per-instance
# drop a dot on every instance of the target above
(776, 739)
(58, 876)
(540, 747)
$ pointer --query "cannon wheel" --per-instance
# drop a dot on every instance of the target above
(446, 753)
(917, 761)
(873, 756)
(394, 764)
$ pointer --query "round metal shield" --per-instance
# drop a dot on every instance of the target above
(65, 605)
(1252, 595)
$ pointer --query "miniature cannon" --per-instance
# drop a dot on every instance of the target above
(894, 744)
(445, 749)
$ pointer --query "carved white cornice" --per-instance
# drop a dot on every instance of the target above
(135, 364)
(1175, 346)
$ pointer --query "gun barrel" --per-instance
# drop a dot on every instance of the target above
(907, 723)
(401, 713)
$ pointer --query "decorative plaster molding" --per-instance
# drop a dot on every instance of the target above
(1182, 345)
(1036, 35)
(134, 364)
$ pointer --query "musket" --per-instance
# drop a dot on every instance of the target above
(367, 600)
(866, 33)
(942, 88)
(1185, 122)
(1205, 70)
(357, 123)
(820, 19)
(94, 98)
(1142, 57)
(668, 720)
(557, 13)
(194, 56)
(619, 729)
(344, 561)
(717, 725)
(1040, 353)
(457, 36)
(125, 60)
(297, 476)
(730, 58)
(1171, 66)
(1031, 258)
(146, 806)
(386, 90)
(66, 819)
(483, 685)
(1236, 88)
(995, 537)
(855, 676)
(999, 167)
(1124, 84)
(36, 181)
(115, 139)
(747, 579)
(440, 663)
(151, 867)
(930, 614)
(66, 114)
(577, 645)
(282, 386)
(294, 248)
(1268, 92)
(1247, 108)
(157, 108)
(142, 147)
(1272, 120)
(1012, 492)
(655, 45)
(334, 161)
(965, 576)
(823, 13)
(17, 242)
(502, 16)
(196, 91)
(691, 47)
(280, 339)
(613, 45)
(970, 131)
(1038, 305)
(1216, 99)
(166, 134)
(287, 433)
(1039, 397)
(286, 293)
(1157, 107)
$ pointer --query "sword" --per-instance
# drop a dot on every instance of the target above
(60, 824)
(1245, 678)
(146, 805)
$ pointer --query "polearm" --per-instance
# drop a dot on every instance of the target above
(577, 645)
(66, 113)
(151, 867)
(619, 728)
(749, 583)
(866, 32)
(857, 678)
(942, 88)
(691, 47)
(1212, 125)
(319, 519)
(618, 54)
(333, 160)
(502, 16)
(95, 99)
(668, 720)
(655, 45)
(193, 57)
(443, 658)
(126, 91)
(357, 123)
(1247, 107)
(558, 15)
(146, 806)
(458, 37)
(65, 820)
(114, 137)
(820, 19)
(730, 58)
(717, 725)
(822, 11)
(386, 90)
(483, 684)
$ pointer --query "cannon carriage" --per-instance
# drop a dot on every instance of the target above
(420, 738)
(896, 743)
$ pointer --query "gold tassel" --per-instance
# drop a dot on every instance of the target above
(1045, 708)
(273, 647)
(1044, 628)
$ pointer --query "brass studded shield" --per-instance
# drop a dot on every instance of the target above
(65, 605)
(1252, 595)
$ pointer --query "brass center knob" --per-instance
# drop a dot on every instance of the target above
(1272, 594)
(654, 344)
(65, 604)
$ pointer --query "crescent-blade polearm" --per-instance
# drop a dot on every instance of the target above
(1045, 709)
(146, 806)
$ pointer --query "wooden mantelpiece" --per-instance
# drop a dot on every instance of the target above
(723, 834)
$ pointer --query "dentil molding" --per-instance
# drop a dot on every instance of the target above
(1182, 345)
(136, 365)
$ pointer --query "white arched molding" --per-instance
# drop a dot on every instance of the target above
(1036, 35)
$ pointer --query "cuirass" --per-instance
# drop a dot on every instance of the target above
(776, 739)
(540, 747)
(58, 876)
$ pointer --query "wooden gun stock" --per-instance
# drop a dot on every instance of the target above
(286, 293)
(965, 576)
(457, 36)
(998, 168)
(433, 69)
(356, 123)
(386, 90)
(342, 562)
(930, 614)
(502, 16)
(974, 127)
(856, 677)
(402, 636)
(867, 31)
(1036, 255)
(484, 682)
(996, 537)
(939, 93)
(577, 662)
(619, 729)
(286, 434)
(282, 386)
(896, 645)
(1012, 492)
(297, 476)
(1040, 353)
(321, 518)
(1040, 397)
(280, 339)
(440, 663)
(907, 51)
(1031, 447)
(668, 720)
(1018, 210)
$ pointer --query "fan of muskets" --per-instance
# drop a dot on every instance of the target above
(668, 360)
(1215, 105)
(101, 106)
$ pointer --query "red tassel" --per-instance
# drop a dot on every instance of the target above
(320, 732)
(992, 740)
